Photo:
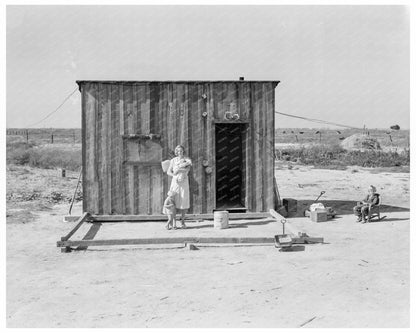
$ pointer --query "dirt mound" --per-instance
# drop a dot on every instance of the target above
(360, 142)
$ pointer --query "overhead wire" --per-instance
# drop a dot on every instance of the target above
(267, 143)
(319, 121)
(51, 113)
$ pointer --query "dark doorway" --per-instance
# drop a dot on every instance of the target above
(229, 166)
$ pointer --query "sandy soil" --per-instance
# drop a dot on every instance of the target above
(358, 278)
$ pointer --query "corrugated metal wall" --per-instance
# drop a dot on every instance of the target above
(124, 176)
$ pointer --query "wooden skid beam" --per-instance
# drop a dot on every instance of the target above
(71, 218)
(276, 215)
(303, 239)
(80, 221)
(292, 230)
(307, 240)
(151, 241)
(149, 218)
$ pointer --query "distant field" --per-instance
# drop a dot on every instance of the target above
(61, 148)
(386, 138)
(282, 135)
(44, 148)
(322, 148)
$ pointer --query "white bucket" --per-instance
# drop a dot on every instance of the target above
(221, 219)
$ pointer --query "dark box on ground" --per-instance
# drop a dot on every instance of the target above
(291, 205)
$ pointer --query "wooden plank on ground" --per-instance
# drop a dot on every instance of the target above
(276, 215)
(169, 240)
(71, 218)
(80, 221)
(307, 240)
(292, 230)
(95, 227)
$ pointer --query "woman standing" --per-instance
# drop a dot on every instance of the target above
(178, 169)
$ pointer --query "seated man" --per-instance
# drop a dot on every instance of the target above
(362, 208)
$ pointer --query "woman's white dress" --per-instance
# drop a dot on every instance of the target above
(180, 183)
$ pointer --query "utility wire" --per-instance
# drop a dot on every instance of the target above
(60, 105)
(317, 120)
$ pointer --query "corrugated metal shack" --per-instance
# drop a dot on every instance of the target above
(129, 127)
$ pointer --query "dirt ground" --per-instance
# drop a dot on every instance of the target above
(358, 278)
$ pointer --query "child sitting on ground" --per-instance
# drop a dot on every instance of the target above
(169, 209)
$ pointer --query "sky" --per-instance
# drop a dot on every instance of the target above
(343, 64)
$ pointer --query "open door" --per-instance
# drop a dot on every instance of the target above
(229, 166)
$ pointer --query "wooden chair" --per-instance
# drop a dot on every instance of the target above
(374, 211)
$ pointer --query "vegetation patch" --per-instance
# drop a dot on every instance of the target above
(45, 157)
(51, 158)
(337, 157)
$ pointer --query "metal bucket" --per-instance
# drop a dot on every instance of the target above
(221, 219)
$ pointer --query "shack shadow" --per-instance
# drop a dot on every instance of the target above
(232, 225)
(387, 219)
(204, 226)
(293, 248)
(92, 232)
(341, 207)
(262, 222)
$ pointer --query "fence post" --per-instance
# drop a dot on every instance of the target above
(27, 136)
(52, 138)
